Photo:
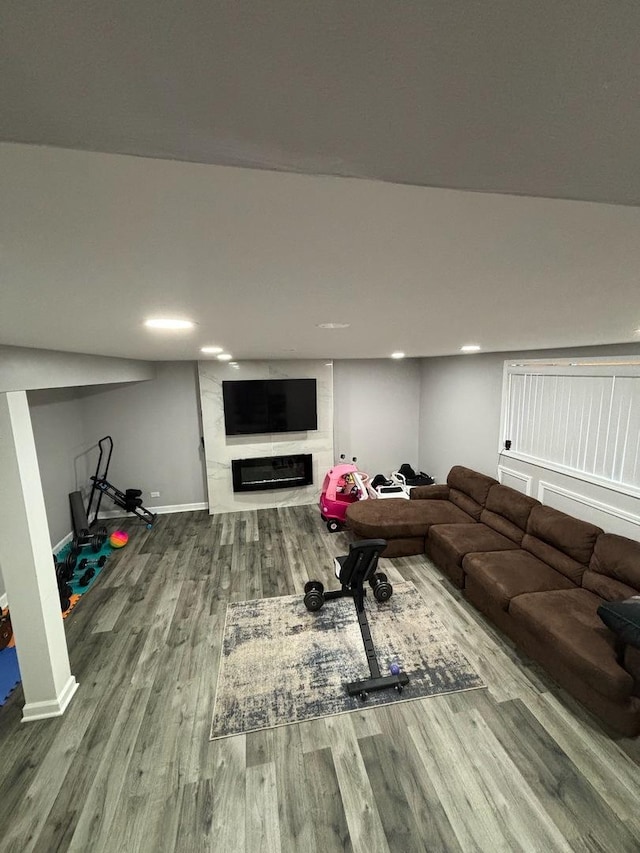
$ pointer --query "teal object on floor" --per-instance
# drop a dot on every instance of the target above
(106, 551)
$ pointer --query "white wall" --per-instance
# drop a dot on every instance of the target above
(460, 406)
(156, 431)
(376, 412)
(24, 369)
(609, 508)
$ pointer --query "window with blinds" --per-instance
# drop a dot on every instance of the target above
(584, 417)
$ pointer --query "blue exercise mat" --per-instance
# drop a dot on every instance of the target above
(9, 673)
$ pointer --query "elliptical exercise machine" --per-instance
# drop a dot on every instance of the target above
(353, 570)
(128, 500)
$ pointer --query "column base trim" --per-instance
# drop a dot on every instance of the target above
(52, 707)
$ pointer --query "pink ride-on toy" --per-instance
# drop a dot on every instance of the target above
(343, 485)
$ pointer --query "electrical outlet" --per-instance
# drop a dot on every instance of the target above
(155, 494)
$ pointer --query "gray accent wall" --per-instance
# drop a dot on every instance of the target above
(156, 429)
(461, 399)
(376, 412)
(57, 417)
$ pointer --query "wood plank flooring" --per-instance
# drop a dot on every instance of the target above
(129, 768)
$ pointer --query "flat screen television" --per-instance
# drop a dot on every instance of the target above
(254, 406)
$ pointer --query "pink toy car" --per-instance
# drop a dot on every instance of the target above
(343, 485)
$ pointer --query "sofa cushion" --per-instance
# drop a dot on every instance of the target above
(436, 492)
(623, 618)
(465, 503)
(395, 518)
(567, 623)
(563, 542)
(457, 540)
(470, 482)
(606, 587)
(618, 558)
(572, 536)
(507, 511)
(506, 574)
(468, 489)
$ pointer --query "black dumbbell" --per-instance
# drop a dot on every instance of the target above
(84, 562)
(95, 541)
(86, 577)
(98, 539)
(64, 592)
(65, 567)
(70, 560)
(62, 575)
(313, 595)
(382, 589)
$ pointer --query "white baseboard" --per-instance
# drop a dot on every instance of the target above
(158, 510)
(4, 602)
(63, 542)
(52, 707)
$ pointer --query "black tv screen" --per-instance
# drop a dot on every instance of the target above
(255, 406)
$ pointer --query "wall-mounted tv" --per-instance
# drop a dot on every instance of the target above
(254, 406)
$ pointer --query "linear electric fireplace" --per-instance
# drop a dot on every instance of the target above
(272, 472)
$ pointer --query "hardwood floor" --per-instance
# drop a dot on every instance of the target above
(518, 766)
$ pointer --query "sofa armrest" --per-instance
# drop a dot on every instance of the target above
(437, 492)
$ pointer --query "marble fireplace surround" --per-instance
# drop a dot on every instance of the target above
(220, 449)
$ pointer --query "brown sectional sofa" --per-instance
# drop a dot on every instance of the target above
(537, 573)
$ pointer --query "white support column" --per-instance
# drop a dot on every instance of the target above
(27, 567)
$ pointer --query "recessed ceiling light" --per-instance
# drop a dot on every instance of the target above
(168, 323)
(211, 350)
(397, 355)
(333, 325)
(225, 356)
(470, 348)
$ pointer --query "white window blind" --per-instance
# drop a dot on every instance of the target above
(582, 417)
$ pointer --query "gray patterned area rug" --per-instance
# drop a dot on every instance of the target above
(282, 664)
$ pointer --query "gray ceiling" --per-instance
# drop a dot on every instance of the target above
(537, 98)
